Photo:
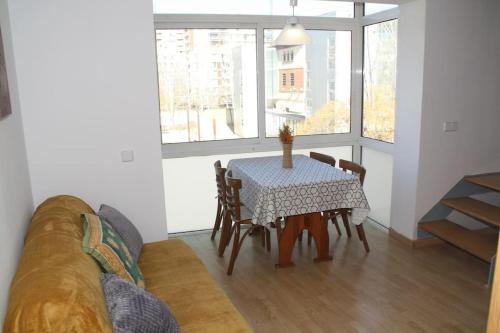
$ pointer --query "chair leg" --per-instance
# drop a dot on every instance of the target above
(237, 245)
(336, 223)
(218, 219)
(226, 233)
(333, 217)
(309, 238)
(236, 248)
(268, 240)
(346, 223)
(362, 236)
(300, 236)
(278, 232)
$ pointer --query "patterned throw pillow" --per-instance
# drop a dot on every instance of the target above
(106, 246)
(124, 227)
(132, 309)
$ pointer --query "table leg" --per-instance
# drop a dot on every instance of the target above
(294, 226)
(319, 231)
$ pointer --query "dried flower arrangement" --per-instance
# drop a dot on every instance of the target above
(286, 134)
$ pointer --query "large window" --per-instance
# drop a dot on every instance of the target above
(207, 84)
(224, 85)
(255, 7)
(379, 80)
(309, 87)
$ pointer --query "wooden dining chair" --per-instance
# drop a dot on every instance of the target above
(220, 193)
(354, 168)
(360, 171)
(224, 221)
(327, 159)
(240, 215)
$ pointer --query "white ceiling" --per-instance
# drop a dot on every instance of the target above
(375, 1)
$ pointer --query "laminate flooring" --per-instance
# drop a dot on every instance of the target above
(391, 289)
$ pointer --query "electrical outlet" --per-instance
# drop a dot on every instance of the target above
(450, 126)
(127, 155)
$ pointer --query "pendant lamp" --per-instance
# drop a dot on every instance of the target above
(293, 33)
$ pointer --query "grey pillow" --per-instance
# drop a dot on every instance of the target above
(134, 310)
(125, 229)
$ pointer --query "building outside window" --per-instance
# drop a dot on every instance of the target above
(207, 84)
(329, 90)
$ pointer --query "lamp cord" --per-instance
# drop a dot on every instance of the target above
(293, 3)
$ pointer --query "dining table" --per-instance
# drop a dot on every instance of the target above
(297, 195)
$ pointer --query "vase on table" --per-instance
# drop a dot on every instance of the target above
(287, 155)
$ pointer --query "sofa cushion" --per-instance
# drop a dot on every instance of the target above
(56, 287)
(126, 229)
(106, 246)
(133, 309)
(175, 274)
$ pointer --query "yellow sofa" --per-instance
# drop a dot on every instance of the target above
(57, 286)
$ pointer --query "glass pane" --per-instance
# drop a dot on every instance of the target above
(255, 7)
(372, 8)
(378, 184)
(207, 84)
(379, 80)
(179, 198)
(309, 87)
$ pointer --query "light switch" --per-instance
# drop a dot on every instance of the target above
(450, 126)
(127, 155)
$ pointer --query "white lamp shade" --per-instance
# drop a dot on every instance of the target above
(291, 35)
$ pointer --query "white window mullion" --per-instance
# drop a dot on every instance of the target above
(357, 81)
(261, 84)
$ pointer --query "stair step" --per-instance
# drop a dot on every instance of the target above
(491, 181)
(480, 243)
(479, 210)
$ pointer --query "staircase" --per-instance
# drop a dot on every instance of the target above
(481, 243)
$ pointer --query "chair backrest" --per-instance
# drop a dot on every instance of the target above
(323, 158)
(233, 197)
(355, 168)
(220, 179)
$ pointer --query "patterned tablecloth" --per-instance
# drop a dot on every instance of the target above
(270, 191)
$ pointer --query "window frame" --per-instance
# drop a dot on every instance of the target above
(259, 23)
(368, 20)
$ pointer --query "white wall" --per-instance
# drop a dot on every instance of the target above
(411, 46)
(16, 205)
(87, 83)
(461, 83)
(378, 184)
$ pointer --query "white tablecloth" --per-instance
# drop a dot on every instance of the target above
(270, 191)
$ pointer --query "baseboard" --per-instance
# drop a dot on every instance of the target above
(415, 244)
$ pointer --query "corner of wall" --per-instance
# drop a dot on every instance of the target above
(16, 201)
(411, 48)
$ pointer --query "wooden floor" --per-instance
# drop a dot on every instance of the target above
(391, 289)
